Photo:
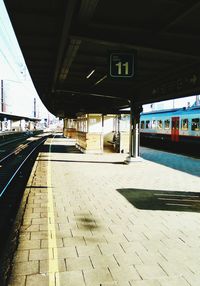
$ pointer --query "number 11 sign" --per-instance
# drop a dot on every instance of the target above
(121, 65)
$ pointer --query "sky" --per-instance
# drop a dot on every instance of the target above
(172, 103)
(19, 89)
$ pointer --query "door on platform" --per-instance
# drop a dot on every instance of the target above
(175, 129)
(110, 130)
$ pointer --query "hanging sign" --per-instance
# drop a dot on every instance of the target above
(121, 65)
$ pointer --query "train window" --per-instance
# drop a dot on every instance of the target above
(184, 124)
(167, 124)
(147, 124)
(153, 124)
(142, 124)
(195, 124)
(160, 124)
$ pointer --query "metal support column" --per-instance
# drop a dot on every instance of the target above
(2, 97)
(34, 108)
(102, 133)
(134, 134)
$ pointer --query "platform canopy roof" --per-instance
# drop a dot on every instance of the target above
(64, 40)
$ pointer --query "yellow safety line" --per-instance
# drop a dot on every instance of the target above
(52, 244)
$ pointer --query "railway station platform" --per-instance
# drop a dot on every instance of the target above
(91, 220)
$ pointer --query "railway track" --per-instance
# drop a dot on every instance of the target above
(15, 167)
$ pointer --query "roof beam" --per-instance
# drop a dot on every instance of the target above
(87, 9)
(88, 93)
(188, 9)
(71, 4)
(69, 57)
(166, 43)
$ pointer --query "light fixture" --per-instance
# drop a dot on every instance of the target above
(101, 79)
(89, 75)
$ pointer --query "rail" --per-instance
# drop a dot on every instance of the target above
(11, 191)
(19, 167)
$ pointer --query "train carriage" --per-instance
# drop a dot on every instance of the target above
(172, 126)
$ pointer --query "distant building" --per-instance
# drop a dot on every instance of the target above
(173, 103)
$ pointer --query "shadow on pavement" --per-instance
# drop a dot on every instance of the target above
(162, 200)
(60, 149)
(82, 161)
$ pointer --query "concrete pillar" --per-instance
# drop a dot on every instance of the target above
(134, 134)
(102, 133)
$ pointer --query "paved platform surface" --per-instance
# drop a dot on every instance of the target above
(84, 223)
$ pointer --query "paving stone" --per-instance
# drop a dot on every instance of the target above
(71, 241)
(150, 257)
(120, 238)
(40, 210)
(174, 281)
(124, 259)
(25, 268)
(48, 266)
(41, 279)
(95, 240)
(45, 243)
(134, 246)
(39, 235)
(78, 264)
(124, 273)
(113, 283)
(100, 237)
(88, 250)
(63, 233)
(45, 227)
(32, 216)
(21, 256)
(30, 228)
(172, 269)
(72, 278)
(103, 261)
(27, 221)
(41, 254)
(39, 221)
(149, 282)
(67, 226)
(97, 277)
(24, 236)
(17, 281)
(66, 252)
(150, 271)
(111, 248)
(82, 233)
(29, 244)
